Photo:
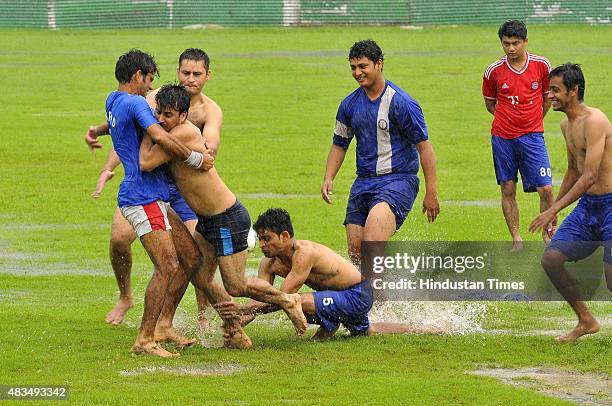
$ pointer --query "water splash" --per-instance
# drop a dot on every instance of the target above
(446, 317)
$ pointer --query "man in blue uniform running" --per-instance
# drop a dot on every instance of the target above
(391, 137)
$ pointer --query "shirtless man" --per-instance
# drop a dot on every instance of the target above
(222, 220)
(341, 294)
(588, 136)
(193, 72)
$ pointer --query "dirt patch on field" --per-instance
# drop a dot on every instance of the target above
(572, 386)
(220, 369)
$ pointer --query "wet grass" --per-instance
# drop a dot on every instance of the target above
(279, 89)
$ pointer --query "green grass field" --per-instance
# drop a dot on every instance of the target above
(279, 89)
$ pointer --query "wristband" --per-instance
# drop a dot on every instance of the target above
(195, 159)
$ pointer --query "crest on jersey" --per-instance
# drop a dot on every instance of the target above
(382, 124)
(534, 85)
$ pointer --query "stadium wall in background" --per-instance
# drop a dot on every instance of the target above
(56, 14)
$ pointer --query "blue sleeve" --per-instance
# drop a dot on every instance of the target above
(142, 112)
(409, 117)
(343, 133)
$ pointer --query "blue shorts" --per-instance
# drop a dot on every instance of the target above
(587, 227)
(349, 307)
(179, 205)
(526, 154)
(228, 231)
(399, 190)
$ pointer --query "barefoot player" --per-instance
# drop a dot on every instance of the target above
(588, 136)
(222, 220)
(342, 296)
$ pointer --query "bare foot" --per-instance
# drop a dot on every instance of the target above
(171, 335)
(153, 349)
(116, 316)
(517, 246)
(581, 329)
(295, 314)
(236, 338)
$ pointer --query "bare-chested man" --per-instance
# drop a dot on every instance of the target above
(222, 220)
(341, 294)
(588, 136)
(193, 72)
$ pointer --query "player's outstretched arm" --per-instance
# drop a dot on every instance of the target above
(431, 205)
(571, 174)
(335, 158)
(92, 134)
(107, 172)
(595, 135)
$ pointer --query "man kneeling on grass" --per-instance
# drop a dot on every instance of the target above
(342, 295)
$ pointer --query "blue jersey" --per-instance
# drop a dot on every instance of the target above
(128, 117)
(387, 131)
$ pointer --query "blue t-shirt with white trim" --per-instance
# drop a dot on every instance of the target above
(128, 118)
(387, 131)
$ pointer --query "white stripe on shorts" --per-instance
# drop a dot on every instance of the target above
(146, 218)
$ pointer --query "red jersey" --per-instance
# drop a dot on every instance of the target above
(519, 95)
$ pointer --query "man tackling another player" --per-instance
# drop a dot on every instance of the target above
(222, 219)
(193, 72)
(143, 196)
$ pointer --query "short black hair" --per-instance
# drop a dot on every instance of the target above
(133, 61)
(572, 76)
(368, 48)
(174, 97)
(276, 220)
(195, 54)
(513, 28)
